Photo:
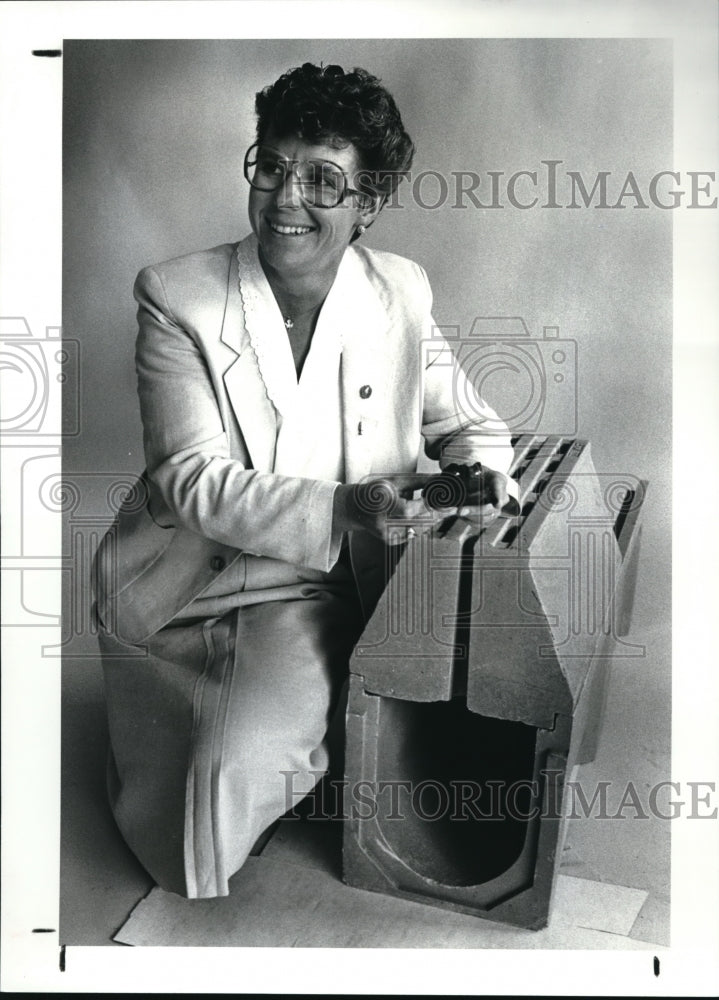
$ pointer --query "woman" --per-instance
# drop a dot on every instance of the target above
(281, 379)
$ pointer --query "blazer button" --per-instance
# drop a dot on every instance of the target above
(217, 563)
(365, 391)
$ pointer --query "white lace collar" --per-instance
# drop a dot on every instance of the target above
(265, 325)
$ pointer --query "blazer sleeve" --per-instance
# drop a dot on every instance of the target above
(188, 456)
(458, 425)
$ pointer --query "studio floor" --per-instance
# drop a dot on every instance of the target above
(612, 891)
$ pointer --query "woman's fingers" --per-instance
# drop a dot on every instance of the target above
(484, 511)
(494, 488)
(386, 506)
(406, 485)
(492, 497)
(409, 520)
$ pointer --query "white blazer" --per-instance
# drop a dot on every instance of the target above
(208, 493)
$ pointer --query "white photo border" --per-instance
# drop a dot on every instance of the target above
(30, 173)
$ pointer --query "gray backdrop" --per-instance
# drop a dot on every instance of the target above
(154, 135)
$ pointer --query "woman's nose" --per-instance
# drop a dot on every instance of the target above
(289, 192)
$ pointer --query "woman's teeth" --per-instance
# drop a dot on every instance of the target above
(290, 230)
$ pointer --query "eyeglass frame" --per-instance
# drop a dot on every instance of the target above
(293, 165)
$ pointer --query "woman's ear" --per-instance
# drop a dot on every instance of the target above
(369, 205)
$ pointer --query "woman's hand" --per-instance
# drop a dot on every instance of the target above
(385, 506)
(494, 493)
(467, 489)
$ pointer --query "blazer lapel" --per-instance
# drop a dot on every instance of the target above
(364, 322)
(354, 309)
(243, 381)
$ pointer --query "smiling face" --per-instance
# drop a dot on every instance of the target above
(295, 237)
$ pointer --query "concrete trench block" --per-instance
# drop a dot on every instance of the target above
(479, 683)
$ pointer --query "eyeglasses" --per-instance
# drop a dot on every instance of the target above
(322, 182)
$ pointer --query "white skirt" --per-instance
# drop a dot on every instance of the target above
(220, 728)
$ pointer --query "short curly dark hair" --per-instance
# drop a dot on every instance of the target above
(327, 104)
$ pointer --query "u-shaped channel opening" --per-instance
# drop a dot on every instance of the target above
(461, 789)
